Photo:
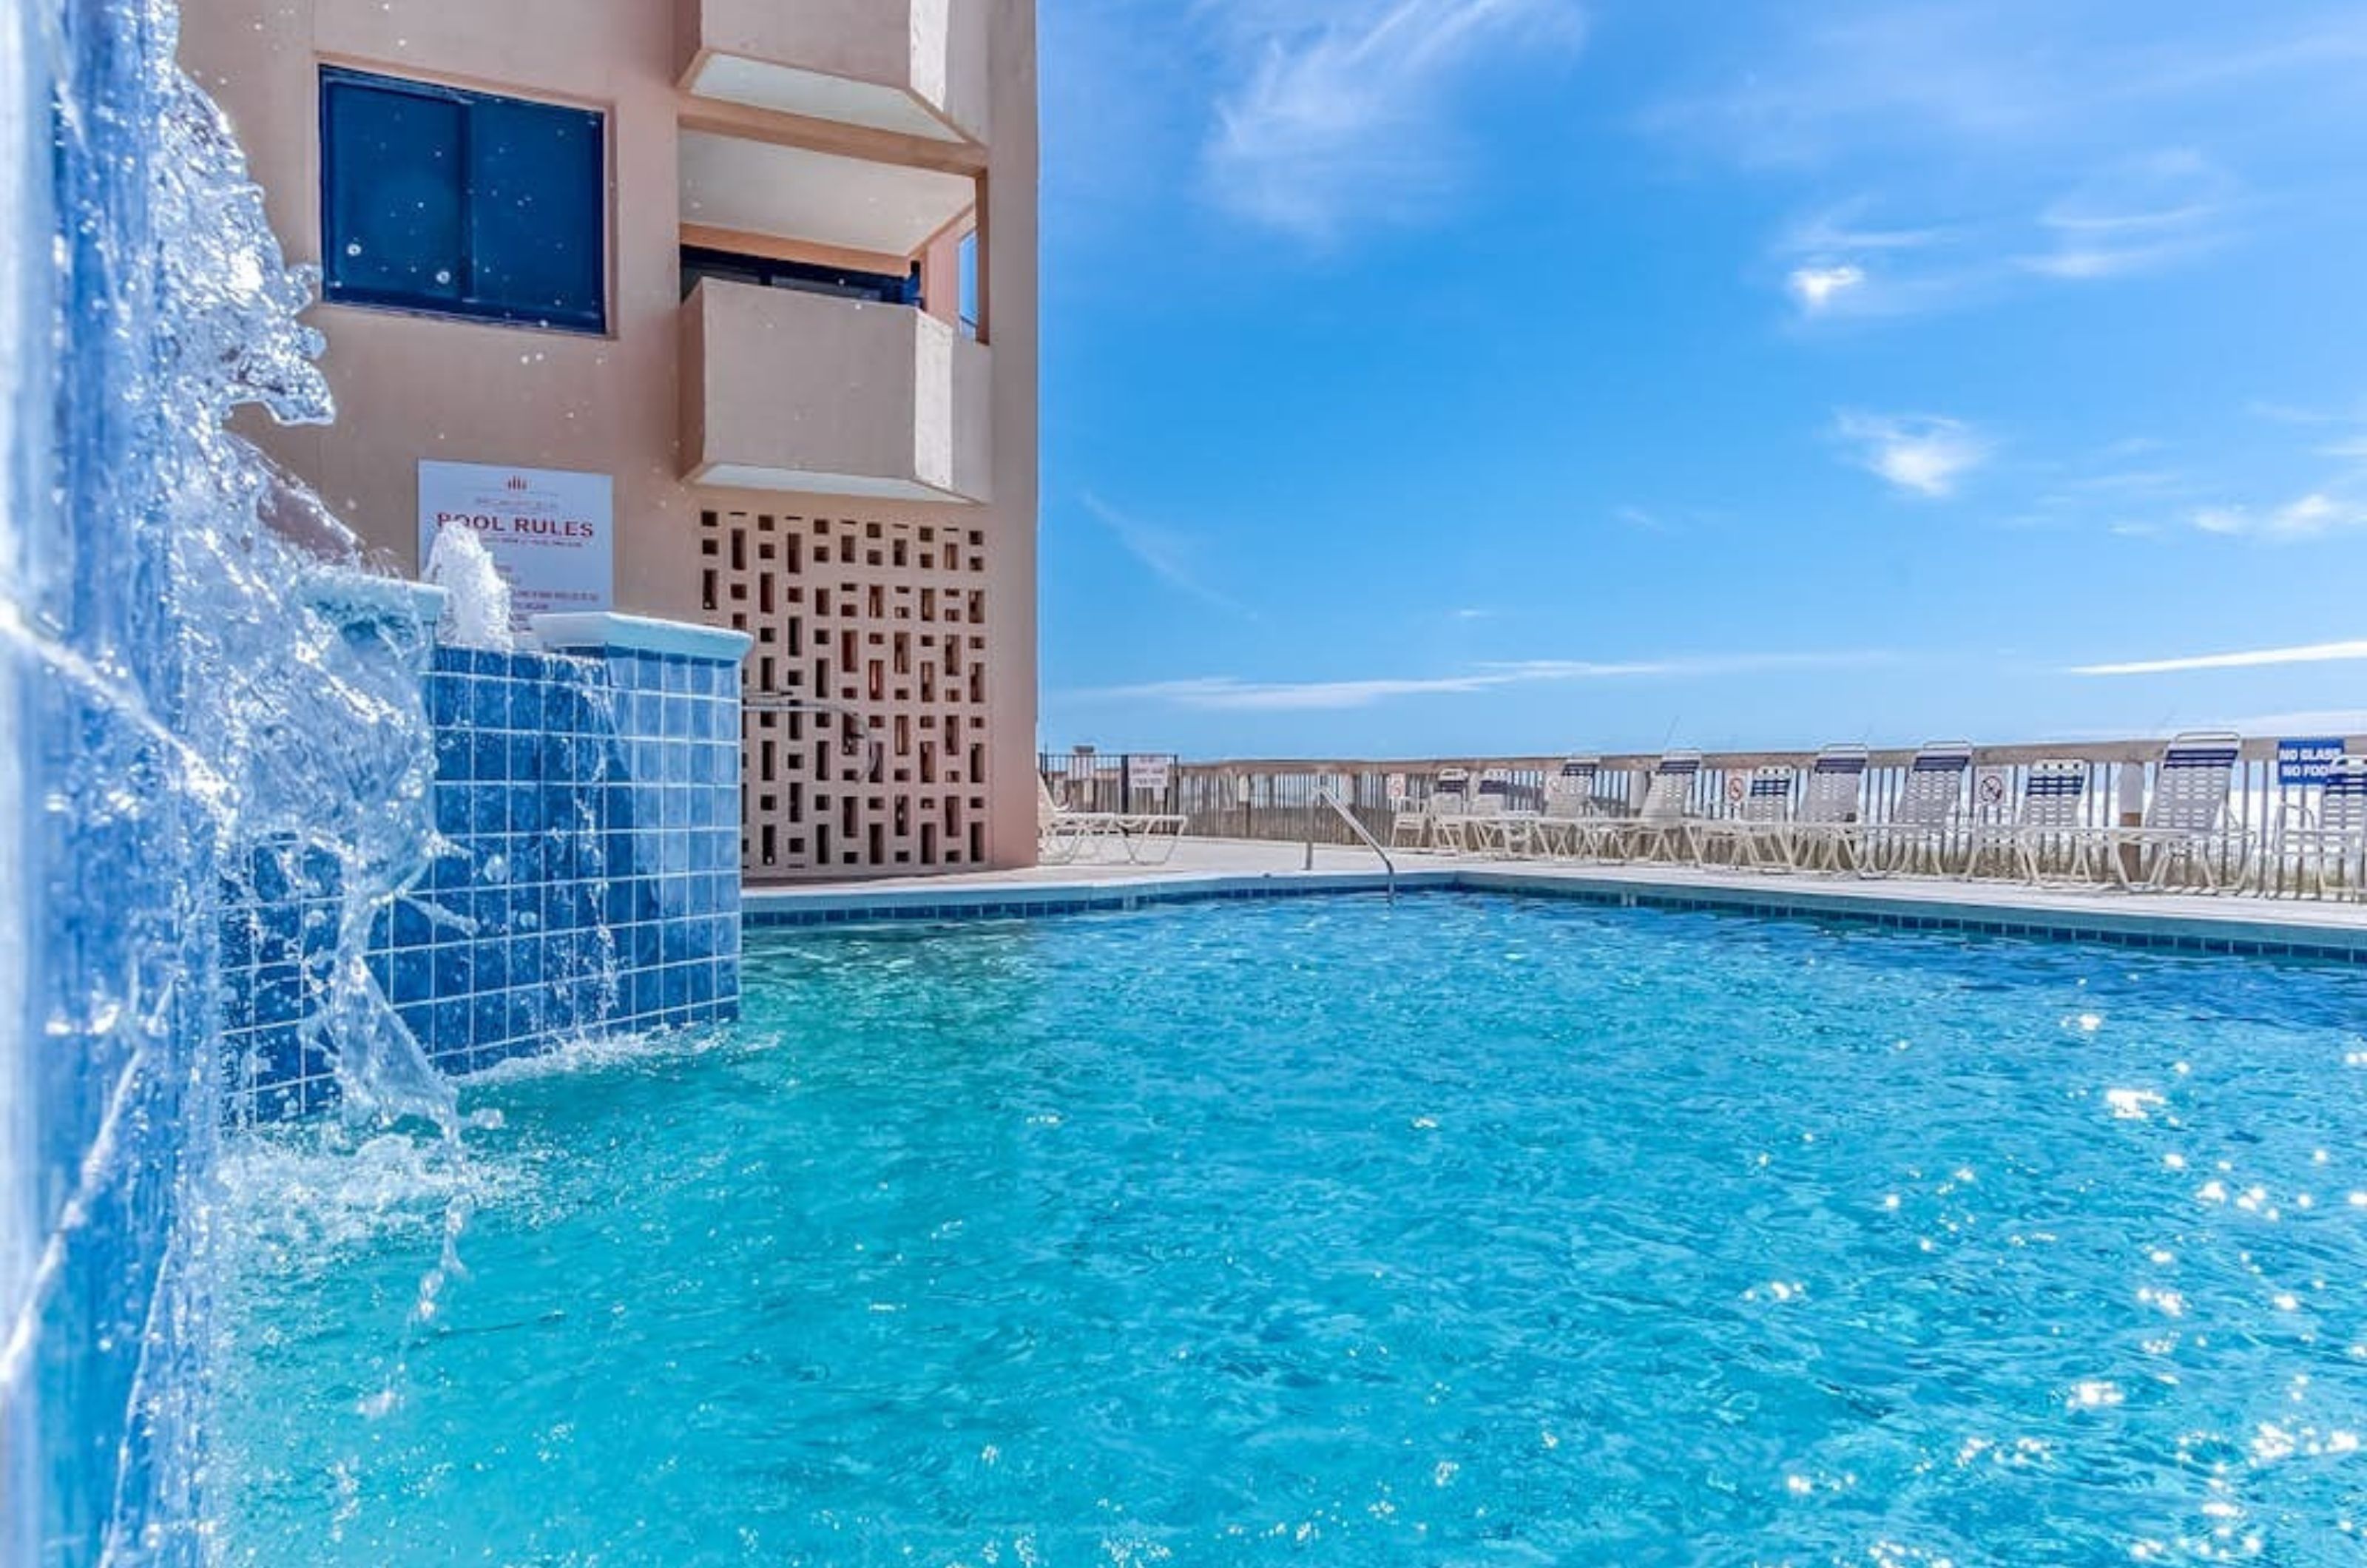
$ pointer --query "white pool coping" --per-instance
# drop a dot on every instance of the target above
(576, 631)
(1221, 869)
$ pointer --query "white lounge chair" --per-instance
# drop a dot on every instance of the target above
(1450, 811)
(1573, 824)
(1920, 834)
(2052, 832)
(1063, 836)
(1756, 834)
(1494, 826)
(1663, 829)
(1826, 834)
(2328, 848)
(2186, 822)
(1409, 824)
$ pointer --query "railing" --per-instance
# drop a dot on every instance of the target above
(1388, 864)
(1122, 781)
(1284, 800)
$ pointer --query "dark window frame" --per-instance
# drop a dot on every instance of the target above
(591, 321)
(700, 263)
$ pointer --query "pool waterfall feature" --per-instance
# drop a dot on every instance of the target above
(263, 848)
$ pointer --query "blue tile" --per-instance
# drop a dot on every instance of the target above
(453, 1017)
(414, 976)
(489, 808)
(490, 1021)
(455, 970)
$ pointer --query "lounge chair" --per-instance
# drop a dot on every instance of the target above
(1573, 824)
(1663, 829)
(1757, 832)
(2186, 821)
(2328, 848)
(1409, 824)
(1828, 833)
(1494, 826)
(2051, 831)
(1450, 811)
(1921, 831)
(1063, 836)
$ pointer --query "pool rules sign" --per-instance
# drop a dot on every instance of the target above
(552, 532)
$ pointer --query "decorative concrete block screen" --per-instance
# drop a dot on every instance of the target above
(588, 799)
(873, 633)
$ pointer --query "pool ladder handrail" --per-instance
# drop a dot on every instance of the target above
(857, 726)
(1324, 797)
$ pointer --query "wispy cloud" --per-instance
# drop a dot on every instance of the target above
(2136, 216)
(2131, 216)
(2310, 516)
(1921, 454)
(1171, 556)
(2252, 658)
(1230, 694)
(1345, 109)
(2014, 145)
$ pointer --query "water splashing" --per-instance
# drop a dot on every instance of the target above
(207, 690)
(479, 612)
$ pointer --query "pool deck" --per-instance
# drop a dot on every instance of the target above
(1207, 869)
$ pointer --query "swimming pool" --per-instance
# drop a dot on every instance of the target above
(1470, 1230)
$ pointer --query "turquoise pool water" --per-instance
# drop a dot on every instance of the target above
(1469, 1231)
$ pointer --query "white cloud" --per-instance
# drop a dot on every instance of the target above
(1919, 454)
(2308, 517)
(1229, 694)
(1816, 287)
(1171, 556)
(2135, 216)
(2254, 659)
(1347, 109)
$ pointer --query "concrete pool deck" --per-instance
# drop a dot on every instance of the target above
(1211, 869)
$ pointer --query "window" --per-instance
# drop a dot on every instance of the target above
(966, 266)
(766, 272)
(462, 203)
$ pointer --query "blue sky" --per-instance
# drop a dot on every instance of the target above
(1445, 376)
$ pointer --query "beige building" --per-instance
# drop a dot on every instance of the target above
(759, 278)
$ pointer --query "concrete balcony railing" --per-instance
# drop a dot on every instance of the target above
(912, 67)
(807, 392)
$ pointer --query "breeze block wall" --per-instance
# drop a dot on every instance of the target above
(588, 799)
(880, 617)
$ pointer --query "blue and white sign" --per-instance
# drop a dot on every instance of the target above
(2304, 764)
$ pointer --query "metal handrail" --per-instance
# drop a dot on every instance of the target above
(857, 723)
(1324, 797)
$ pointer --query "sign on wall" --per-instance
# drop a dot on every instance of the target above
(551, 532)
(1149, 773)
(2304, 764)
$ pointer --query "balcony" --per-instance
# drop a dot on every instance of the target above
(915, 67)
(788, 390)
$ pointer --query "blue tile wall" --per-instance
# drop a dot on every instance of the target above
(588, 883)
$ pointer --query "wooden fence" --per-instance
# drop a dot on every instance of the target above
(1277, 799)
